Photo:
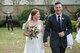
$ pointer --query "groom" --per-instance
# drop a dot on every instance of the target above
(58, 27)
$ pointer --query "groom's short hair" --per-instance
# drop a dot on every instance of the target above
(58, 3)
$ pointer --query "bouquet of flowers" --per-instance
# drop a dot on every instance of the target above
(32, 31)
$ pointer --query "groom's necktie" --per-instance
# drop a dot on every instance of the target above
(59, 24)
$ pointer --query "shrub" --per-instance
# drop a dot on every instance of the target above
(78, 10)
(73, 25)
(52, 10)
(21, 22)
(15, 23)
(2, 23)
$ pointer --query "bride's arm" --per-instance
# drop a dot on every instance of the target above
(24, 31)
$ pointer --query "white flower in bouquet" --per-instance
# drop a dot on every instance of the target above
(32, 31)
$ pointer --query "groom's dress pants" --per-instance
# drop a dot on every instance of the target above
(58, 50)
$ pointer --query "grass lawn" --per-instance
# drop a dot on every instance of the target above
(14, 42)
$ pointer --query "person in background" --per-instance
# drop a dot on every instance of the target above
(9, 21)
(78, 29)
(78, 20)
(47, 16)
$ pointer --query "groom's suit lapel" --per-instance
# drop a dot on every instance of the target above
(56, 22)
(63, 20)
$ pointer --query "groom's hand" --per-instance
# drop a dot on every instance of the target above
(45, 44)
(61, 34)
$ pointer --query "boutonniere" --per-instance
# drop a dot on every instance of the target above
(62, 18)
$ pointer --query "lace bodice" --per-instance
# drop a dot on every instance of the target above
(39, 27)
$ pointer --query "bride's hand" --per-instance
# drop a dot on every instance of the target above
(26, 34)
(46, 44)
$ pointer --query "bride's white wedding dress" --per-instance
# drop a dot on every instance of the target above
(36, 44)
(69, 41)
(78, 36)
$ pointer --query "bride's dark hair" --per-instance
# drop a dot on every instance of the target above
(78, 25)
(33, 12)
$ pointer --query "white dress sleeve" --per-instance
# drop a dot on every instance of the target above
(23, 26)
(78, 36)
(69, 40)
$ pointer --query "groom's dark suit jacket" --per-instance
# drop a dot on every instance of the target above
(52, 30)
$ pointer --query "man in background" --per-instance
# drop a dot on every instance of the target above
(9, 21)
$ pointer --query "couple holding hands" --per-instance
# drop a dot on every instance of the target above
(58, 27)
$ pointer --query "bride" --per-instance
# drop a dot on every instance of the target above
(34, 45)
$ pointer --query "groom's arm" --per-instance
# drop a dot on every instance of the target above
(69, 26)
(47, 31)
